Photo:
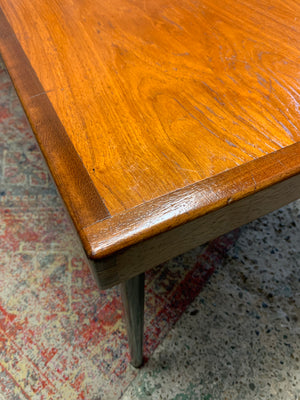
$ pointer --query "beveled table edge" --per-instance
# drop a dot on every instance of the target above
(167, 212)
(102, 234)
(76, 189)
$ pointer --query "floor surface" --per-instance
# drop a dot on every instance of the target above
(239, 339)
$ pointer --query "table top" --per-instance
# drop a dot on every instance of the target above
(152, 113)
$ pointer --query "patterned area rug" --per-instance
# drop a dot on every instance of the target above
(60, 338)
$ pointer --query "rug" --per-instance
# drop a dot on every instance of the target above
(60, 338)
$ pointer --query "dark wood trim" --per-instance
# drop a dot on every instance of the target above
(184, 205)
(147, 254)
(101, 234)
(77, 189)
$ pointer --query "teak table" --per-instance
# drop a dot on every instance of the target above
(164, 123)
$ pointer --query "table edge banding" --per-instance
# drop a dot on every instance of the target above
(86, 207)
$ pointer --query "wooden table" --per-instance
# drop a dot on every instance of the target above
(164, 123)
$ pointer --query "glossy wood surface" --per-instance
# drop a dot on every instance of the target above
(80, 195)
(142, 256)
(193, 202)
(156, 105)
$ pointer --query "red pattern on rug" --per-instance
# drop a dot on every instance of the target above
(60, 338)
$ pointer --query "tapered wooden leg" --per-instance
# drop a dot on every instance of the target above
(133, 301)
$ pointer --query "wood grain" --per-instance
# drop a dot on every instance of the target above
(158, 95)
(136, 259)
(154, 114)
(78, 192)
(167, 212)
(164, 123)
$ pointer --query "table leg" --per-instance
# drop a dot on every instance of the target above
(133, 301)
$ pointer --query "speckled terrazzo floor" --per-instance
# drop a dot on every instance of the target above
(239, 339)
